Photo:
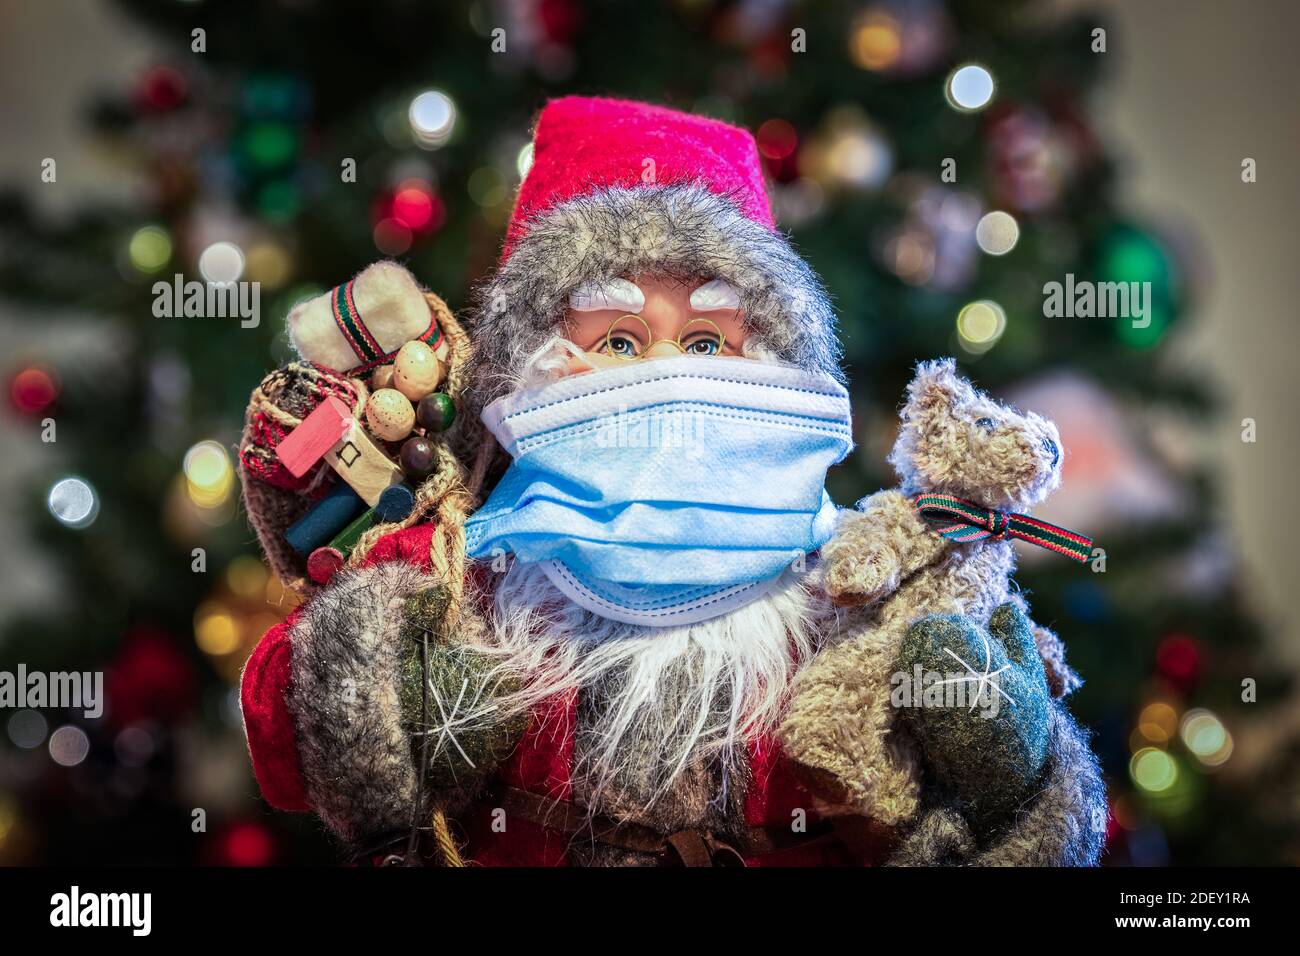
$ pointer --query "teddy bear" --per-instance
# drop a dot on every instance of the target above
(910, 587)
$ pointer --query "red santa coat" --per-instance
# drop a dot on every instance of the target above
(542, 762)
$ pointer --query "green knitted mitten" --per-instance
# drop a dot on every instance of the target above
(982, 739)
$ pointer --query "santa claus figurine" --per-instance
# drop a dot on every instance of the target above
(654, 399)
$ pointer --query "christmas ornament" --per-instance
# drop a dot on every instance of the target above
(284, 399)
(363, 464)
(312, 439)
(34, 389)
(346, 540)
(1109, 479)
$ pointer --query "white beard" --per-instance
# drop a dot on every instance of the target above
(669, 695)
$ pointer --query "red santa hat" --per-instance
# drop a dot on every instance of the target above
(618, 188)
(583, 144)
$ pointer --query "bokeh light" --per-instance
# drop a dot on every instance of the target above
(997, 233)
(392, 237)
(247, 844)
(777, 139)
(980, 325)
(27, 729)
(1206, 737)
(215, 629)
(524, 161)
(134, 746)
(875, 41)
(73, 502)
(209, 476)
(432, 116)
(150, 249)
(221, 262)
(246, 576)
(969, 88)
(1153, 770)
(34, 389)
(69, 745)
(270, 264)
(859, 157)
(413, 207)
(487, 187)
(1157, 724)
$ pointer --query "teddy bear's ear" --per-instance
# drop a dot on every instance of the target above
(936, 386)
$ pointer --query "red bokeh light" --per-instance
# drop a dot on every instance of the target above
(247, 844)
(777, 139)
(1178, 657)
(34, 389)
(160, 89)
(413, 207)
(392, 237)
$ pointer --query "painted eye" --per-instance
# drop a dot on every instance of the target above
(701, 336)
(987, 424)
(703, 345)
(622, 345)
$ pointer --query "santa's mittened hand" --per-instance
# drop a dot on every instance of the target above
(424, 614)
(449, 698)
(981, 710)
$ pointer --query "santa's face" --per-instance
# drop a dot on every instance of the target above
(676, 668)
(652, 316)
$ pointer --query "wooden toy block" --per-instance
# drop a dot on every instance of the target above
(324, 563)
(363, 464)
(315, 436)
(325, 519)
(395, 503)
(346, 540)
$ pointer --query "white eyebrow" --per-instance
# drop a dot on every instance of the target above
(715, 294)
(611, 294)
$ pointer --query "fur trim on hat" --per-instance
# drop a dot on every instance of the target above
(682, 230)
(356, 758)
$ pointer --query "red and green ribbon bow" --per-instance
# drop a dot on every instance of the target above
(966, 521)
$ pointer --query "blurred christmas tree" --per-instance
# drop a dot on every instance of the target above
(934, 162)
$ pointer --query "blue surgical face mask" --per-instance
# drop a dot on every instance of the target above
(669, 491)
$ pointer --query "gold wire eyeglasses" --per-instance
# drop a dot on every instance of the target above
(629, 338)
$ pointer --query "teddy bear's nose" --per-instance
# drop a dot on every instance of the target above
(1053, 449)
